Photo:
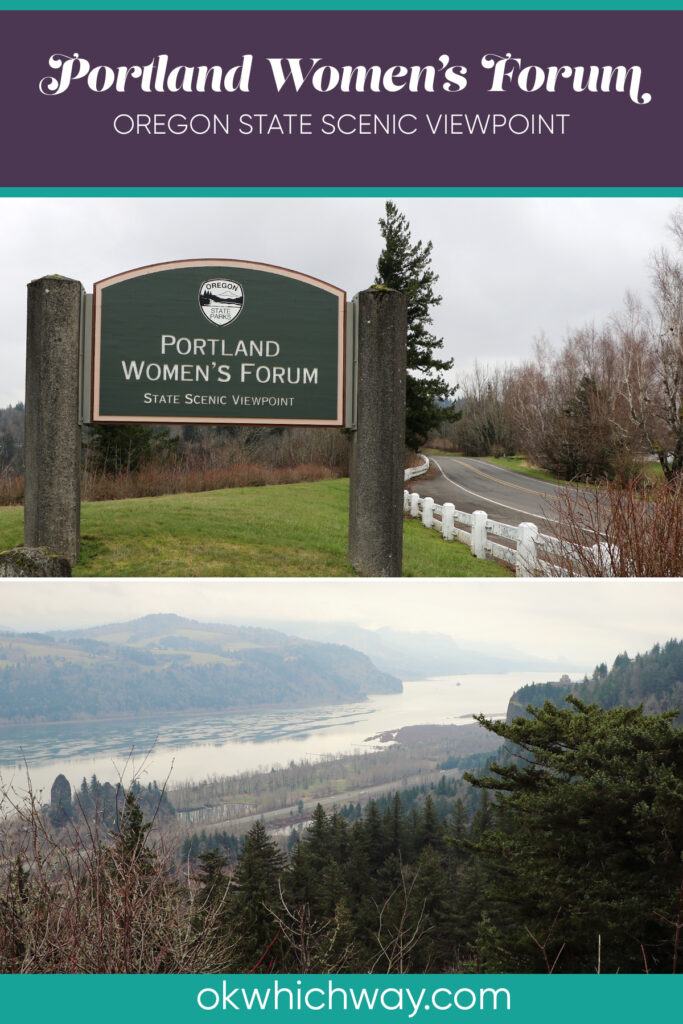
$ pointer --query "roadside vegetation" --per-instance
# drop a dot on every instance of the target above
(595, 408)
(633, 528)
(141, 462)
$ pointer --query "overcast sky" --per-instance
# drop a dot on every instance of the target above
(510, 269)
(583, 622)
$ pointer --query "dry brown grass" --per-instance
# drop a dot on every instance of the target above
(179, 478)
(11, 490)
(293, 456)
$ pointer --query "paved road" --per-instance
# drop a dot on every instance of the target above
(504, 495)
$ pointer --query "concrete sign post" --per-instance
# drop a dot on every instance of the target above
(52, 442)
(378, 444)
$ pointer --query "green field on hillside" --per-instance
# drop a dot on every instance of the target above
(287, 530)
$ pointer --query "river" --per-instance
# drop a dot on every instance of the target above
(193, 747)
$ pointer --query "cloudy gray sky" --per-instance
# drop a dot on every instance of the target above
(510, 268)
(583, 622)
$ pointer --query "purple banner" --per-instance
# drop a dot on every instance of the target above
(341, 99)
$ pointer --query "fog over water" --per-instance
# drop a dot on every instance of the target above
(200, 745)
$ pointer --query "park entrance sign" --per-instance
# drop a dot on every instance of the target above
(218, 341)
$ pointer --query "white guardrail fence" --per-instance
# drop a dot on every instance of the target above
(414, 471)
(532, 553)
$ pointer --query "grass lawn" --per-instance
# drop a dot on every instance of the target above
(653, 471)
(440, 451)
(286, 530)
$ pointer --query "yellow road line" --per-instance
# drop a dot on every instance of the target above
(497, 479)
(492, 501)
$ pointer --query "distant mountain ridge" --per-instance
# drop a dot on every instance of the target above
(167, 663)
(418, 655)
(653, 679)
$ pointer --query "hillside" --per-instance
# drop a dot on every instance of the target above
(171, 664)
(654, 679)
(418, 654)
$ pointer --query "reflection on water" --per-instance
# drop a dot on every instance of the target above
(194, 746)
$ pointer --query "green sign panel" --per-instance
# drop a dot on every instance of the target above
(218, 341)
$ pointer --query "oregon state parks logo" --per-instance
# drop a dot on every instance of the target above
(221, 301)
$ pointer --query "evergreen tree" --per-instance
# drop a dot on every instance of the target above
(394, 823)
(588, 840)
(431, 830)
(299, 879)
(212, 877)
(458, 823)
(132, 835)
(434, 893)
(256, 894)
(317, 839)
(374, 836)
(406, 266)
(212, 914)
(126, 447)
(339, 837)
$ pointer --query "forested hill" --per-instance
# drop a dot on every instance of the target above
(654, 679)
(165, 663)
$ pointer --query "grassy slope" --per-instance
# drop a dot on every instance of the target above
(286, 530)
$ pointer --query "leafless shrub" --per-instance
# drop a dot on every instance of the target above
(401, 925)
(318, 947)
(567, 411)
(76, 900)
(245, 459)
(181, 478)
(544, 946)
(623, 529)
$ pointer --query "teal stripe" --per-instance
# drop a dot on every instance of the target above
(388, 192)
